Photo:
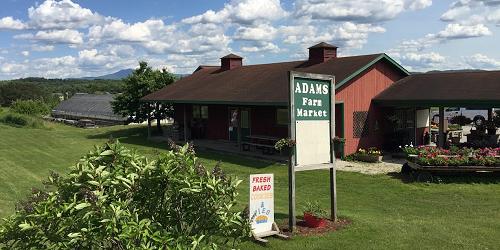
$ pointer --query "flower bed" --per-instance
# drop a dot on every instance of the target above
(432, 156)
(371, 155)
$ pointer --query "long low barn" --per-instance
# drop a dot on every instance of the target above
(89, 106)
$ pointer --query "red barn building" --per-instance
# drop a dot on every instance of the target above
(231, 100)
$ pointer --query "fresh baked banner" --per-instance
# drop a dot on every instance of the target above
(261, 203)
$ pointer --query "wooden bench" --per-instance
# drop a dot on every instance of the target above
(266, 149)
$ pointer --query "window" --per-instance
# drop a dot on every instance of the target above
(282, 117)
(360, 124)
(200, 112)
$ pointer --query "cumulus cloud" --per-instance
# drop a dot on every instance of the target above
(364, 11)
(459, 31)
(66, 36)
(243, 12)
(261, 32)
(347, 35)
(9, 23)
(64, 14)
(473, 12)
(261, 47)
(42, 48)
(480, 61)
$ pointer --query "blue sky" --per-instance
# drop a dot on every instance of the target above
(73, 38)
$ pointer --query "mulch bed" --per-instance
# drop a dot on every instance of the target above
(302, 230)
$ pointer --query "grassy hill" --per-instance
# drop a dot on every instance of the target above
(387, 213)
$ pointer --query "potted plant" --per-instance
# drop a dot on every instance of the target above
(371, 155)
(285, 145)
(338, 146)
(314, 215)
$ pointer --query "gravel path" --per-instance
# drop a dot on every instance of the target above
(384, 167)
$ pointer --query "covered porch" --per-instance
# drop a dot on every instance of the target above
(432, 100)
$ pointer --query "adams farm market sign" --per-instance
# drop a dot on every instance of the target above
(261, 203)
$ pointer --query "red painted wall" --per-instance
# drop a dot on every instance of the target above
(263, 122)
(357, 96)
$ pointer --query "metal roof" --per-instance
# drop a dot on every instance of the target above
(88, 106)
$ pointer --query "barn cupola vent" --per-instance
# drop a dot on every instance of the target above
(231, 61)
(322, 52)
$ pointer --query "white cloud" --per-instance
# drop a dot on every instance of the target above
(347, 35)
(243, 12)
(64, 14)
(421, 61)
(261, 47)
(261, 32)
(459, 31)
(364, 11)
(42, 48)
(12, 68)
(473, 12)
(66, 36)
(25, 53)
(10, 23)
(480, 61)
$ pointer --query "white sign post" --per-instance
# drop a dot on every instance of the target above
(312, 127)
(261, 207)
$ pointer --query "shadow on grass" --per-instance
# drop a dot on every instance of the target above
(451, 178)
(138, 136)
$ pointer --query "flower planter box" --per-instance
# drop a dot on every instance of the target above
(369, 158)
(313, 221)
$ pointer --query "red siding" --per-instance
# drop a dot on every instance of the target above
(263, 120)
(357, 96)
(218, 125)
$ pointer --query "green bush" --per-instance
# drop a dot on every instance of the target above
(19, 120)
(114, 198)
(30, 107)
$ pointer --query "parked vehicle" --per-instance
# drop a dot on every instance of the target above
(471, 113)
(85, 123)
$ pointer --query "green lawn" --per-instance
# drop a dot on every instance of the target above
(387, 213)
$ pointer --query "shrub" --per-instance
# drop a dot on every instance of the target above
(30, 107)
(114, 198)
(460, 120)
(315, 209)
(19, 120)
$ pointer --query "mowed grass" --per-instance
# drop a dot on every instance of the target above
(461, 213)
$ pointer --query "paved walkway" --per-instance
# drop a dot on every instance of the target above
(384, 167)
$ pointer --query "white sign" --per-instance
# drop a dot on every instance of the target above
(261, 202)
(312, 99)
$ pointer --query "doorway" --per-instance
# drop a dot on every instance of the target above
(239, 120)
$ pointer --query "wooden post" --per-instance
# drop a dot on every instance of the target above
(291, 192)
(441, 136)
(239, 127)
(149, 126)
(185, 123)
(333, 170)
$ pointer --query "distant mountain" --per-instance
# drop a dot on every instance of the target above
(114, 76)
(121, 74)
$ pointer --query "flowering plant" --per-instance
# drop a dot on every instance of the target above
(433, 156)
(284, 143)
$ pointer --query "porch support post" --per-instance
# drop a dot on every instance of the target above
(239, 128)
(149, 126)
(441, 128)
(185, 123)
(490, 114)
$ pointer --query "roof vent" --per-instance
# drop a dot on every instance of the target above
(231, 61)
(322, 52)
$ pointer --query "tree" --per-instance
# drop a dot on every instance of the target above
(11, 92)
(140, 83)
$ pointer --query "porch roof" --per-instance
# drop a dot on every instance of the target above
(445, 89)
(262, 84)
